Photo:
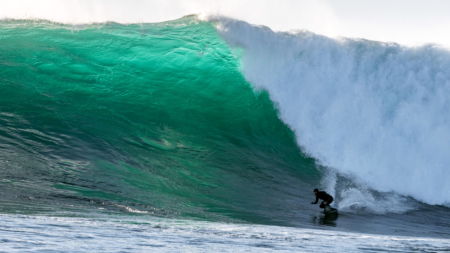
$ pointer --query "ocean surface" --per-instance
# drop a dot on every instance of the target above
(208, 134)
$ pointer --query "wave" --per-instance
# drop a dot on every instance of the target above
(152, 118)
(171, 119)
(377, 111)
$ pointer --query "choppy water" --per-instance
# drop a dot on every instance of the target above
(119, 234)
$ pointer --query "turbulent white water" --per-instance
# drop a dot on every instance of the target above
(374, 110)
(119, 234)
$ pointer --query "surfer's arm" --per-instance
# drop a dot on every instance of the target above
(317, 200)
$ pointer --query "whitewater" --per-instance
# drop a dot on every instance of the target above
(370, 109)
(209, 133)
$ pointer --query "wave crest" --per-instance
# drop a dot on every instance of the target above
(375, 110)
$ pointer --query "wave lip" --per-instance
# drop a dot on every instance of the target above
(375, 110)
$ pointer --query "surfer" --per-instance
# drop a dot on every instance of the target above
(327, 199)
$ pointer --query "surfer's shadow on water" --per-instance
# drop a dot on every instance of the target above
(326, 218)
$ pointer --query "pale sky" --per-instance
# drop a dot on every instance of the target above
(406, 22)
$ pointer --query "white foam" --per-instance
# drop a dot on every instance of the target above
(150, 234)
(362, 200)
(353, 195)
(376, 111)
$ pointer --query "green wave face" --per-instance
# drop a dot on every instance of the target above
(150, 117)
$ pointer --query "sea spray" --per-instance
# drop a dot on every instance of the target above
(375, 110)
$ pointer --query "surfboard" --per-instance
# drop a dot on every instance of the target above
(329, 210)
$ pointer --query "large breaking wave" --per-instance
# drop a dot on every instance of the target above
(162, 119)
(373, 110)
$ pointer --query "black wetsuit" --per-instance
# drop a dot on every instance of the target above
(325, 197)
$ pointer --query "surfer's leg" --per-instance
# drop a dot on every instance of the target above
(330, 201)
(322, 205)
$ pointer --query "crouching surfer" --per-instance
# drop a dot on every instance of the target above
(327, 199)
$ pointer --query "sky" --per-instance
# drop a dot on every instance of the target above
(409, 22)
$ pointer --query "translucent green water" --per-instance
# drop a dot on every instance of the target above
(152, 117)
